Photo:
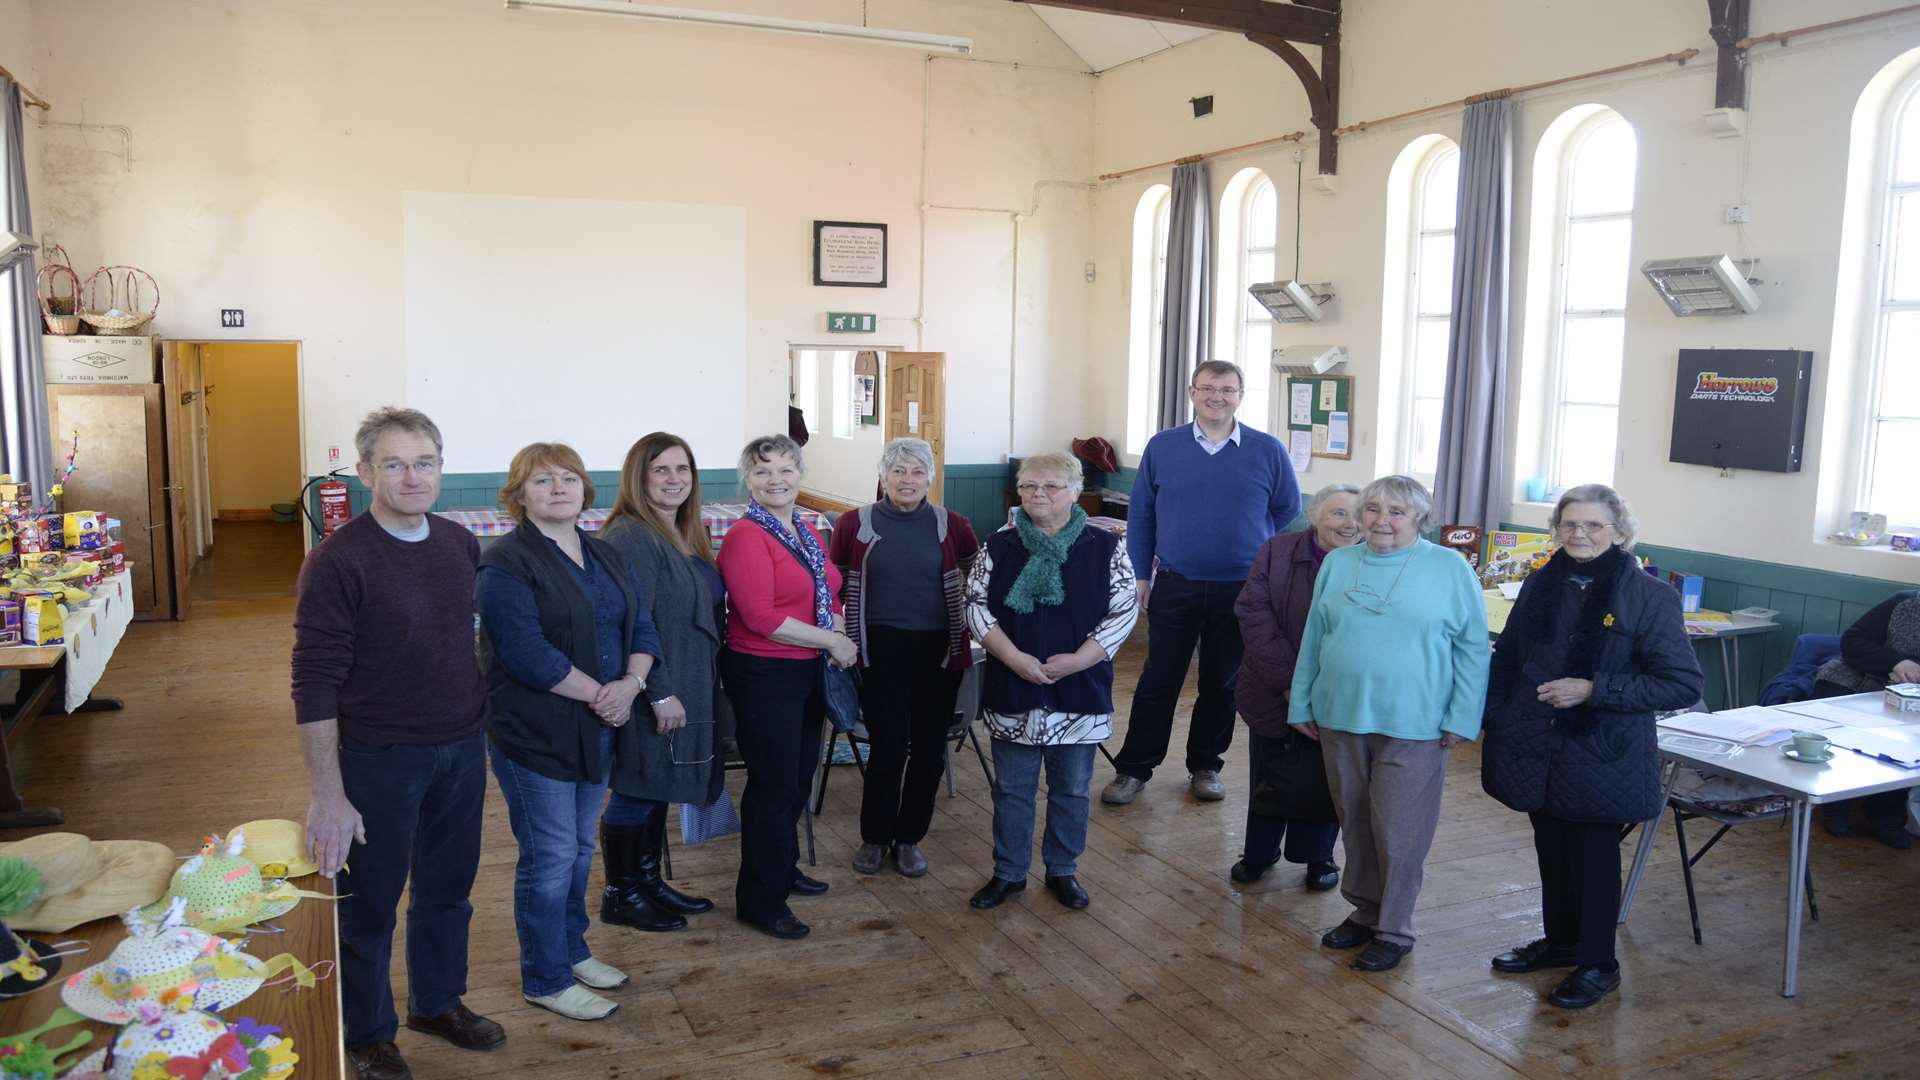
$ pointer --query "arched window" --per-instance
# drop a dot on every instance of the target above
(1587, 327)
(1242, 329)
(1147, 325)
(1417, 304)
(1891, 433)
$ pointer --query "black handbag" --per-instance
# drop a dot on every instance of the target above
(841, 687)
(1292, 784)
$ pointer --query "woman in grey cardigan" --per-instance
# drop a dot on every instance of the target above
(672, 754)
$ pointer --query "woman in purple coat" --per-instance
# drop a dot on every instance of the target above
(1273, 612)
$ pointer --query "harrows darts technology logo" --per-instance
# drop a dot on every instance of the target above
(1713, 386)
(99, 360)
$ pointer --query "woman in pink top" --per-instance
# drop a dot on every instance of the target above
(783, 620)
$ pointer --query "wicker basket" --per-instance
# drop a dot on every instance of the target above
(59, 311)
(119, 282)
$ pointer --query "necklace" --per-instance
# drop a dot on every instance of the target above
(1364, 597)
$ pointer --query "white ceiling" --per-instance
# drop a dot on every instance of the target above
(1106, 41)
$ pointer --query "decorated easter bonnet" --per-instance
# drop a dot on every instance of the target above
(162, 1044)
(278, 847)
(83, 880)
(172, 965)
(25, 965)
(24, 1057)
(224, 891)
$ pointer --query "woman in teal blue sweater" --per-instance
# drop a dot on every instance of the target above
(1392, 674)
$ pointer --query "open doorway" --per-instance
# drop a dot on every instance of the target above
(851, 402)
(241, 467)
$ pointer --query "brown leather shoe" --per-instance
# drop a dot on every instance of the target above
(462, 1027)
(378, 1061)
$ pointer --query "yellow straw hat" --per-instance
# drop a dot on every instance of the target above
(89, 879)
(278, 847)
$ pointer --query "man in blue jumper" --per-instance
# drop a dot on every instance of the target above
(1207, 495)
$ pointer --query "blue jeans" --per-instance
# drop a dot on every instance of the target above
(421, 808)
(554, 822)
(1016, 768)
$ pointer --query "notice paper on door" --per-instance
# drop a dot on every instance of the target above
(1337, 433)
(1302, 398)
(1300, 448)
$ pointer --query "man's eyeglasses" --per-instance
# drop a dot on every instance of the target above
(423, 467)
(1223, 391)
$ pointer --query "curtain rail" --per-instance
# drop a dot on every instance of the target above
(33, 99)
(1782, 36)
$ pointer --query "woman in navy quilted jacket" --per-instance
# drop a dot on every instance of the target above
(1593, 649)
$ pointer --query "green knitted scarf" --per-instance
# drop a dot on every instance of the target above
(1039, 580)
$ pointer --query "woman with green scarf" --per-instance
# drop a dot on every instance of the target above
(1051, 600)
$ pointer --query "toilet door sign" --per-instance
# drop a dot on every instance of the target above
(232, 317)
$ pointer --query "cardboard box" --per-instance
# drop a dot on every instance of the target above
(1692, 588)
(80, 358)
(9, 622)
(83, 530)
(1512, 555)
(41, 621)
(1464, 539)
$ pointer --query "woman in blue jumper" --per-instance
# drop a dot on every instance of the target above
(1392, 674)
(1592, 651)
(1052, 600)
(567, 644)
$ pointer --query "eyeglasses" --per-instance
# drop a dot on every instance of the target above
(423, 467)
(673, 748)
(1585, 528)
(1368, 599)
(1223, 391)
(1028, 487)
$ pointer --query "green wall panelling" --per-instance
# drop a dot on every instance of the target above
(979, 493)
(1809, 602)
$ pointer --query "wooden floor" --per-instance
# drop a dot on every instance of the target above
(1173, 971)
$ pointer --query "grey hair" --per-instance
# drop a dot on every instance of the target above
(1325, 493)
(765, 448)
(1625, 525)
(906, 448)
(392, 418)
(1055, 463)
(1407, 491)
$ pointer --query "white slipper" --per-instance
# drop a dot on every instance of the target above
(598, 975)
(576, 1003)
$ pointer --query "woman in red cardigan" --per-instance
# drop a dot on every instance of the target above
(783, 623)
(1273, 612)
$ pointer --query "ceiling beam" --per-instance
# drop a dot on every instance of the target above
(1727, 23)
(1314, 25)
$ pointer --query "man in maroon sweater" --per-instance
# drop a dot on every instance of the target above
(391, 707)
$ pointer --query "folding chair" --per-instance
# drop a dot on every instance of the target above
(1685, 810)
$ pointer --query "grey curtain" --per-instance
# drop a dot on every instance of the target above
(1188, 338)
(26, 450)
(1470, 487)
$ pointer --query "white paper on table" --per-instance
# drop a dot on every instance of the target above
(1337, 433)
(1836, 713)
(1751, 725)
(1300, 448)
(1328, 398)
(1894, 751)
(1510, 590)
(1302, 411)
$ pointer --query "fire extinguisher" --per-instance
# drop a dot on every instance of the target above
(334, 511)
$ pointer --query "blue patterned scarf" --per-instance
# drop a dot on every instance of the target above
(802, 543)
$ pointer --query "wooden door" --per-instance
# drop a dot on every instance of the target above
(122, 473)
(176, 407)
(916, 392)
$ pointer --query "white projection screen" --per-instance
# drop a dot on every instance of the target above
(584, 321)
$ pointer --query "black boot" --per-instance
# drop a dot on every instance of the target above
(650, 883)
(624, 902)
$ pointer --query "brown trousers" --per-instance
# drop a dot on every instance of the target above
(1387, 792)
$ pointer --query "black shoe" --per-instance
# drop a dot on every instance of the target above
(1247, 873)
(783, 926)
(1585, 986)
(806, 886)
(1068, 891)
(1894, 836)
(1535, 955)
(1322, 876)
(1380, 955)
(623, 902)
(995, 892)
(653, 836)
(1347, 935)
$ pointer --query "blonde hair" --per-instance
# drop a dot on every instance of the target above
(547, 455)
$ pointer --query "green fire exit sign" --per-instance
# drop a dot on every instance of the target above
(850, 322)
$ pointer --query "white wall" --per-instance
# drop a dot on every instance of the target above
(1790, 170)
(272, 143)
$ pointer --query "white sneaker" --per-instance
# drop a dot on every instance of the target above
(576, 1003)
(1206, 786)
(598, 975)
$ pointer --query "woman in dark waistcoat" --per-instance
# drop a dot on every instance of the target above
(1881, 649)
(1593, 649)
(567, 645)
(1052, 600)
(670, 753)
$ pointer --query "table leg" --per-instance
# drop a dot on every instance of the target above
(1802, 815)
(1731, 694)
(100, 704)
(36, 693)
(1645, 848)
